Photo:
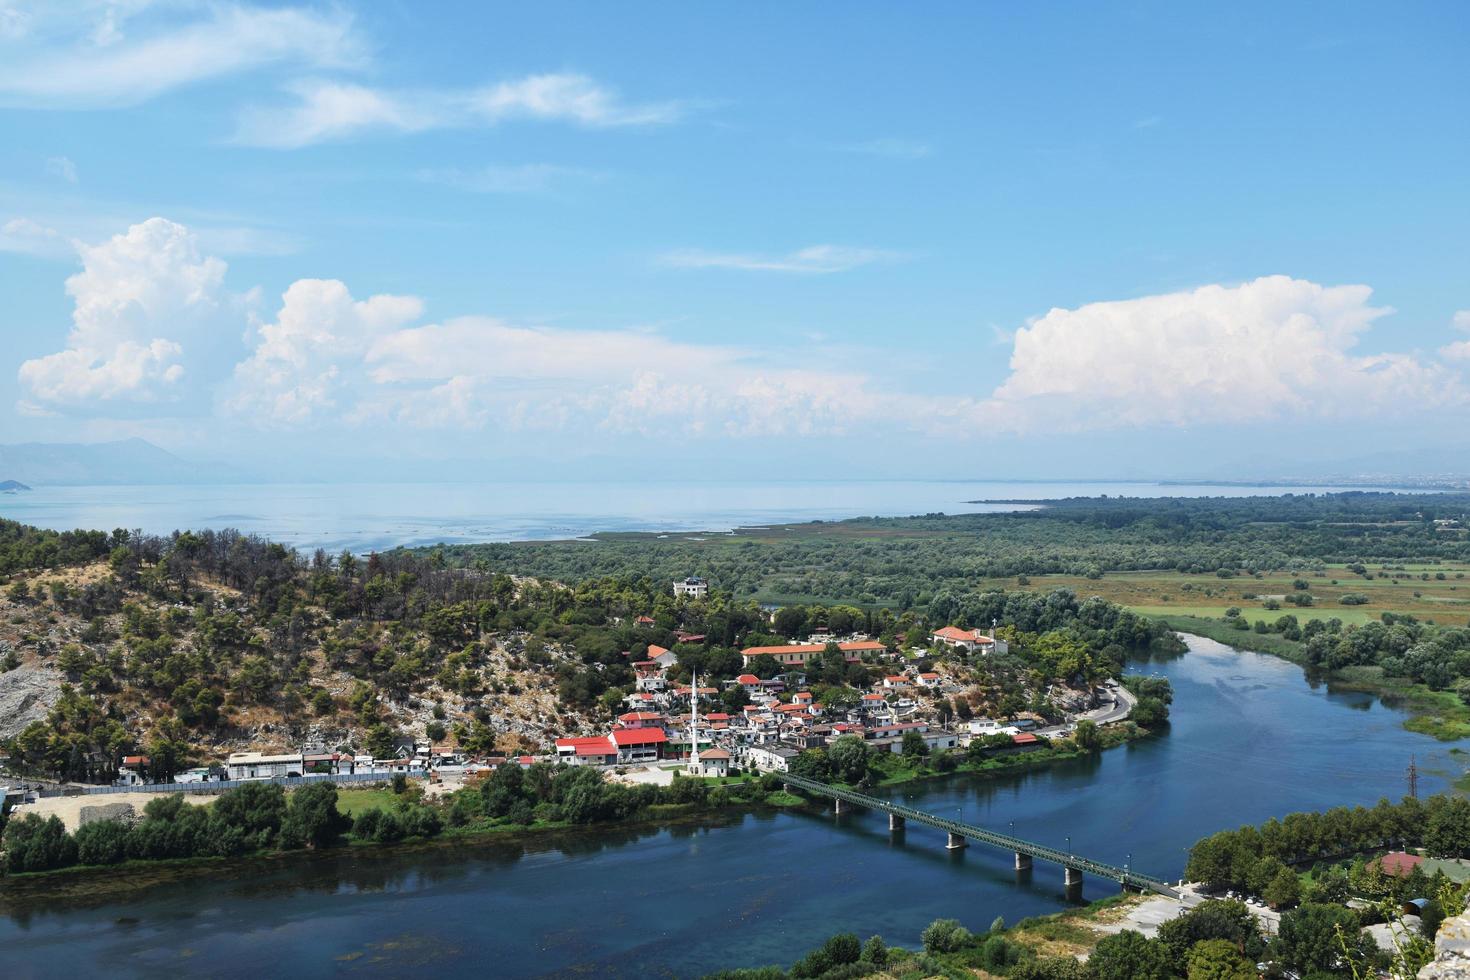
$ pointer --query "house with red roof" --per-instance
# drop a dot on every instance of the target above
(1400, 864)
(641, 719)
(597, 750)
(971, 641)
(800, 653)
(639, 744)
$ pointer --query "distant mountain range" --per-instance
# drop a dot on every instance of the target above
(128, 461)
(12, 486)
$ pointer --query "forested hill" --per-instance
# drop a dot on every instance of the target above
(906, 560)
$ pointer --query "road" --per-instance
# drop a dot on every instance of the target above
(1120, 708)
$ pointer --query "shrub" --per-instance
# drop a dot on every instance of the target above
(945, 936)
(102, 842)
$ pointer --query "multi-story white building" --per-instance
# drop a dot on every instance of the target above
(692, 587)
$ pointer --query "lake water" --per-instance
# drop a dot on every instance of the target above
(366, 516)
(1251, 738)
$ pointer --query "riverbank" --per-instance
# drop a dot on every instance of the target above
(102, 883)
(1438, 714)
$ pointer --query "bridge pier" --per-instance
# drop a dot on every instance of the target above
(1072, 879)
(956, 842)
(837, 806)
(895, 823)
(1023, 861)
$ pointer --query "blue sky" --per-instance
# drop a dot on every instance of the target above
(1049, 240)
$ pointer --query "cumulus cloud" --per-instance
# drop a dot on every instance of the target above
(1272, 348)
(327, 110)
(1458, 350)
(148, 301)
(139, 297)
(99, 57)
(296, 369)
(812, 260)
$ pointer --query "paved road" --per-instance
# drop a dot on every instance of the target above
(1120, 708)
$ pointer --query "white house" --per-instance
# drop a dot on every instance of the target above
(714, 762)
(971, 641)
(692, 587)
(771, 758)
(253, 765)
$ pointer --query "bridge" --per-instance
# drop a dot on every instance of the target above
(1074, 865)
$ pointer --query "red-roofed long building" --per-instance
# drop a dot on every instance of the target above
(800, 653)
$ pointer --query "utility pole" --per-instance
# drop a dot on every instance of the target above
(1413, 778)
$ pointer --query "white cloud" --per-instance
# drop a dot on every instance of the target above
(138, 297)
(326, 110)
(63, 60)
(297, 367)
(62, 167)
(569, 97)
(1269, 349)
(1460, 349)
(529, 178)
(33, 238)
(814, 259)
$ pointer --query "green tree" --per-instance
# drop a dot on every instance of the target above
(1308, 938)
(1448, 833)
(312, 818)
(914, 746)
(945, 936)
(1217, 959)
(1128, 955)
(1284, 890)
(848, 758)
(1087, 736)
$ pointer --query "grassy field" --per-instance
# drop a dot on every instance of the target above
(1170, 593)
(355, 801)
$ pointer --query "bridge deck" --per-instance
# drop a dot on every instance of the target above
(1124, 876)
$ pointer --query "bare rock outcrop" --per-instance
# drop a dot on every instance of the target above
(1451, 951)
(27, 694)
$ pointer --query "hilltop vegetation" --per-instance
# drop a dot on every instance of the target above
(189, 646)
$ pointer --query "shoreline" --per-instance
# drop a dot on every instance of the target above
(1439, 714)
(98, 885)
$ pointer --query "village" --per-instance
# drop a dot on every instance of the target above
(665, 726)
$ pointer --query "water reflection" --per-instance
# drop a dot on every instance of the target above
(1250, 740)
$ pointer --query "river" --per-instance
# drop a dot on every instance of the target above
(1250, 738)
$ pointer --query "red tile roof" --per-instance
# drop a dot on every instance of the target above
(639, 736)
(1024, 738)
(1399, 863)
(747, 679)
